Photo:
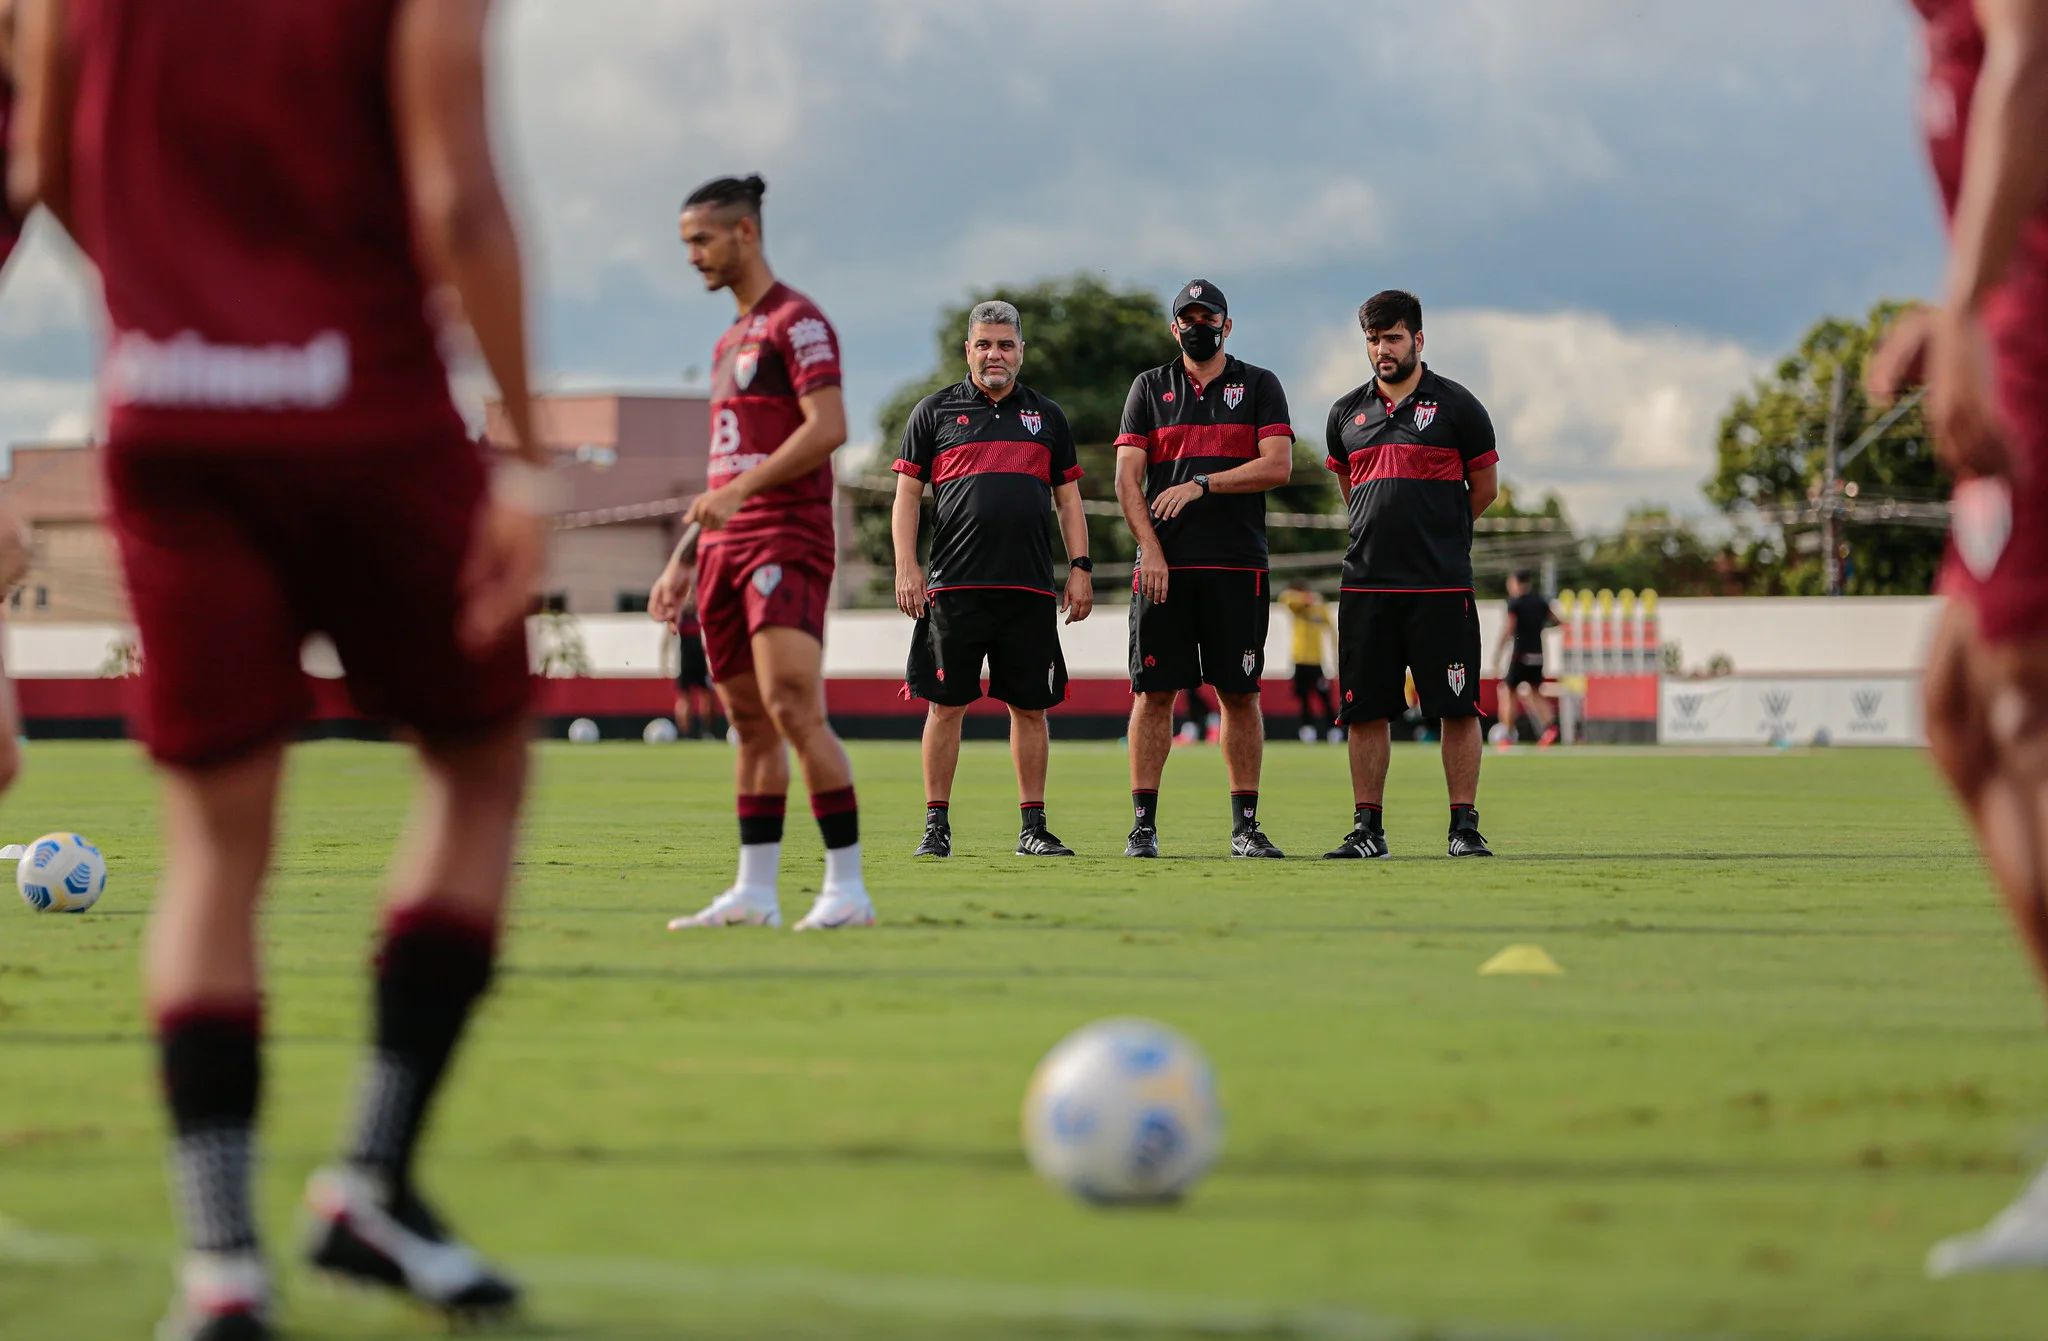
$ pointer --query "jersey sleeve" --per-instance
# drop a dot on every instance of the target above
(1475, 435)
(1066, 458)
(1136, 430)
(920, 441)
(1271, 410)
(809, 348)
(1333, 442)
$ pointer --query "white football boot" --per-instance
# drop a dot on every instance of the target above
(2017, 1240)
(740, 906)
(221, 1297)
(839, 906)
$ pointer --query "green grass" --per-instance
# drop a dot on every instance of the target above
(1795, 1045)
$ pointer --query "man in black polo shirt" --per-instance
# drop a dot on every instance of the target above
(1001, 461)
(1202, 438)
(1415, 455)
(1529, 614)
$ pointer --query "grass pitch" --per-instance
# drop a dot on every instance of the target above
(1794, 1046)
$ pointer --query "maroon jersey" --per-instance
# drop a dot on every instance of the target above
(236, 177)
(10, 224)
(781, 350)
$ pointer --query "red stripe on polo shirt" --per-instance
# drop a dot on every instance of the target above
(1131, 440)
(910, 468)
(1406, 461)
(1334, 464)
(1070, 474)
(1482, 461)
(1009, 458)
(1176, 441)
(1276, 431)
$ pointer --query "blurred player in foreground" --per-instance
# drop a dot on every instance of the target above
(763, 567)
(1983, 354)
(1520, 659)
(1312, 627)
(14, 537)
(283, 458)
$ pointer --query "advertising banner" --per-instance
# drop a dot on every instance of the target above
(1738, 710)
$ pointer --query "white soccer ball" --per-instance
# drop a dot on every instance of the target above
(660, 731)
(61, 873)
(583, 731)
(1502, 734)
(1123, 1111)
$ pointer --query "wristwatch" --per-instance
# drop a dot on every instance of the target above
(1203, 480)
(1084, 563)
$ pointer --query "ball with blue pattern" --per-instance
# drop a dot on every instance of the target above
(1123, 1111)
(61, 873)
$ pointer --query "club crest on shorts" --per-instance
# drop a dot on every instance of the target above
(745, 364)
(1032, 420)
(1251, 662)
(1456, 677)
(769, 576)
(1233, 396)
(1425, 415)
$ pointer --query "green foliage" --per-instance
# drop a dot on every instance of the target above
(1658, 552)
(1772, 454)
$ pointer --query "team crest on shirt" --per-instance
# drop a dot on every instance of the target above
(769, 576)
(1455, 676)
(1251, 662)
(745, 364)
(1167, 397)
(1031, 419)
(1233, 396)
(1425, 415)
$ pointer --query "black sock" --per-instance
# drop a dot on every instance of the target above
(761, 818)
(1464, 817)
(938, 812)
(431, 970)
(212, 1073)
(838, 816)
(1034, 815)
(1366, 816)
(1244, 811)
(1145, 806)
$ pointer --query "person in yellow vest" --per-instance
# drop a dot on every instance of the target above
(1312, 626)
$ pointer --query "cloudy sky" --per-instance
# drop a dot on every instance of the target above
(1615, 211)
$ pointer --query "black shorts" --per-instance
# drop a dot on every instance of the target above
(1381, 635)
(1016, 632)
(1521, 673)
(1211, 628)
(692, 670)
(1308, 680)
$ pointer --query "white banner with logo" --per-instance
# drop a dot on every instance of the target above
(1739, 710)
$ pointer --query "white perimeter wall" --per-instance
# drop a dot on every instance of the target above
(1763, 636)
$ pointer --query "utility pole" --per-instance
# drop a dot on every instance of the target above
(1831, 486)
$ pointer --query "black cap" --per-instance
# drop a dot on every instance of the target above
(1201, 293)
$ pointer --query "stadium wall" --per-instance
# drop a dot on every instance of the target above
(1830, 655)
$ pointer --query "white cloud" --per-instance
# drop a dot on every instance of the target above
(46, 409)
(1606, 416)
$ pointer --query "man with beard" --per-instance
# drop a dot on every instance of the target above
(1001, 460)
(765, 562)
(1414, 454)
(1202, 439)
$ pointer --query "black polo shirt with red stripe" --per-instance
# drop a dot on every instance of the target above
(1411, 509)
(992, 465)
(1188, 429)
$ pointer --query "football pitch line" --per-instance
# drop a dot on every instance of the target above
(1087, 1311)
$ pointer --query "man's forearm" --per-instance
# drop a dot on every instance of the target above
(2005, 170)
(1137, 509)
(1269, 470)
(801, 453)
(903, 519)
(1073, 526)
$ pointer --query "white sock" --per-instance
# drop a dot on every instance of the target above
(842, 867)
(760, 864)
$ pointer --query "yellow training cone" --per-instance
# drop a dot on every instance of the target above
(1522, 959)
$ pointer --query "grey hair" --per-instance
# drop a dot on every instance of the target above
(996, 312)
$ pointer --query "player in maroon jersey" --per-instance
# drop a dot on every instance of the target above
(283, 458)
(764, 565)
(1983, 353)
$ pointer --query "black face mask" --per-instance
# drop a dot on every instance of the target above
(1201, 341)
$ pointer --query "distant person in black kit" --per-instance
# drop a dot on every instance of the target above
(1529, 614)
(693, 675)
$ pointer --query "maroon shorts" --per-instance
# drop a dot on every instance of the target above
(233, 559)
(743, 588)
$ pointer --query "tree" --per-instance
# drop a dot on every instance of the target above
(1772, 449)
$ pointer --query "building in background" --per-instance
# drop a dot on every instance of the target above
(55, 490)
